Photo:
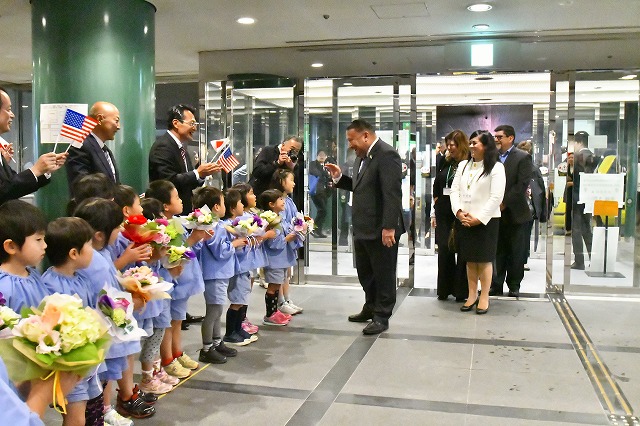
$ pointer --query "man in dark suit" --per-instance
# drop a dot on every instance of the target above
(512, 240)
(377, 221)
(94, 156)
(168, 158)
(287, 155)
(581, 229)
(14, 185)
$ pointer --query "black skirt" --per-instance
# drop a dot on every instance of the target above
(477, 243)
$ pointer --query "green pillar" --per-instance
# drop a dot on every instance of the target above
(98, 50)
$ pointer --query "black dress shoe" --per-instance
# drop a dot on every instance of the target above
(576, 265)
(362, 316)
(461, 299)
(495, 292)
(191, 319)
(375, 327)
(482, 311)
(443, 297)
(184, 325)
(515, 293)
(467, 308)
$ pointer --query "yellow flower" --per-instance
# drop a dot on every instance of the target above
(119, 316)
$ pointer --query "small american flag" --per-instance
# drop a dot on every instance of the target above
(77, 126)
(228, 161)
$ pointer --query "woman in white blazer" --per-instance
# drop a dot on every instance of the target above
(476, 194)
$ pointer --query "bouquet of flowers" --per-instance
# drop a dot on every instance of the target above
(116, 307)
(201, 219)
(244, 227)
(177, 255)
(141, 281)
(59, 335)
(8, 318)
(139, 230)
(271, 218)
(302, 225)
(170, 232)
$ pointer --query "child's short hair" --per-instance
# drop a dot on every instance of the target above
(207, 195)
(231, 198)
(160, 190)
(89, 186)
(64, 234)
(278, 178)
(244, 189)
(19, 220)
(151, 208)
(103, 215)
(269, 196)
(124, 196)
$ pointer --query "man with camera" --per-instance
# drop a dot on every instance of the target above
(288, 155)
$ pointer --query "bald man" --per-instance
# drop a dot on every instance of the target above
(94, 156)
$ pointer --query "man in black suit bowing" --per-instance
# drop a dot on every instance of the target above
(14, 185)
(94, 156)
(512, 239)
(377, 221)
(169, 159)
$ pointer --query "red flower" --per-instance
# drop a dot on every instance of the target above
(137, 219)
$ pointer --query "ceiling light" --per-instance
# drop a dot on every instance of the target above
(484, 99)
(347, 84)
(628, 77)
(484, 78)
(481, 27)
(245, 20)
(317, 65)
(479, 7)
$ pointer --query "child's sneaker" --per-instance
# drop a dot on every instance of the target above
(154, 385)
(286, 316)
(148, 398)
(286, 309)
(112, 418)
(251, 337)
(296, 308)
(187, 362)
(277, 318)
(166, 378)
(135, 407)
(225, 350)
(212, 356)
(177, 370)
(248, 327)
(236, 340)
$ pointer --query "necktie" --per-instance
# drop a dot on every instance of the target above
(183, 153)
(363, 165)
(108, 155)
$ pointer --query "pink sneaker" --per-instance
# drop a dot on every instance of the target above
(165, 378)
(277, 318)
(287, 316)
(248, 327)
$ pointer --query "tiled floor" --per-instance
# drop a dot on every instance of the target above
(435, 366)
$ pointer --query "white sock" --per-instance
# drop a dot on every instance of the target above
(205, 348)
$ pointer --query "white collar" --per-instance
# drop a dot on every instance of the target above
(371, 146)
(100, 143)
(180, 145)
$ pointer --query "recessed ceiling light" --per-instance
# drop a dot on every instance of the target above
(484, 78)
(484, 99)
(479, 7)
(481, 27)
(347, 84)
(245, 20)
(317, 65)
(628, 77)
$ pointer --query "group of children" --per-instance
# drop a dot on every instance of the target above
(86, 251)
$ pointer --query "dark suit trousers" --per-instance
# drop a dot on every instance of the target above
(511, 255)
(452, 277)
(376, 265)
(581, 231)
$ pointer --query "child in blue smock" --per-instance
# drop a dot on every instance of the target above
(217, 260)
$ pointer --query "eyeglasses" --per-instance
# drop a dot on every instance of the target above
(499, 137)
(190, 123)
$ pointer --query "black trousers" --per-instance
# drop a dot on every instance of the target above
(582, 231)
(452, 276)
(376, 265)
(510, 256)
(320, 202)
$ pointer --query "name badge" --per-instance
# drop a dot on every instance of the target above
(446, 191)
(466, 198)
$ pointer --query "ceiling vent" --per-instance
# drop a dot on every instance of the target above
(396, 11)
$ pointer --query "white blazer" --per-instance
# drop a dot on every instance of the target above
(478, 195)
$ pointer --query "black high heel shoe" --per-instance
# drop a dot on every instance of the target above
(465, 308)
(482, 311)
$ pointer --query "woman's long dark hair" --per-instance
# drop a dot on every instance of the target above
(490, 150)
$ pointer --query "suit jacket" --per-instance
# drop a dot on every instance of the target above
(165, 162)
(265, 165)
(89, 159)
(539, 195)
(377, 193)
(518, 169)
(14, 185)
(583, 162)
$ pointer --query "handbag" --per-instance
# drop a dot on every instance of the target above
(451, 243)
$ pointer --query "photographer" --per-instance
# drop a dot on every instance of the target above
(287, 155)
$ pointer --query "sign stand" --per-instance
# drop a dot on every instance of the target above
(606, 209)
